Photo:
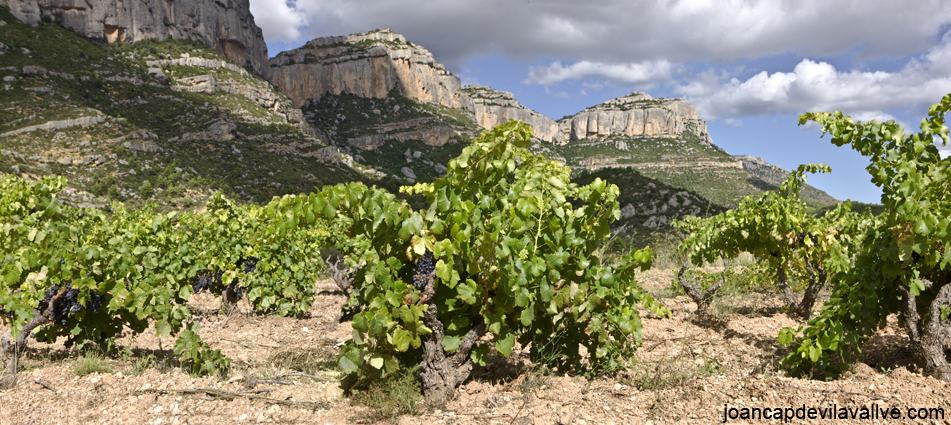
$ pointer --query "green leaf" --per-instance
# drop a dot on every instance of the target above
(528, 316)
(402, 339)
(467, 292)
(504, 345)
(451, 343)
(480, 354)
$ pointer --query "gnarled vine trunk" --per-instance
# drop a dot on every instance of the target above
(440, 373)
(695, 291)
(11, 350)
(927, 342)
(817, 280)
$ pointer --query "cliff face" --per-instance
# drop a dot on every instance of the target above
(493, 107)
(635, 115)
(367, 65)
(225, 25)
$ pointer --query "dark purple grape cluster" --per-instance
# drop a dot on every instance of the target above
(239, 290)
(425, 267)
(95, 302)
(65, 306)
(205, 280)
(250, 265)
(50, 293)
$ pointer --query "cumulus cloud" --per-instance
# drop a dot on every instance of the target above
(813, 85)
(279, 20)
(641, 74)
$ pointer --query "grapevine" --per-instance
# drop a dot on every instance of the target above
(778, 231)
(901, 264)
(79, 274)
(512, 261)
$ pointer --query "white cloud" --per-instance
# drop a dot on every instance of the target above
(646, 73)
(812, 86)
(278, 19)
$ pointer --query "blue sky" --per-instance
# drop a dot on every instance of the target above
(750, 67)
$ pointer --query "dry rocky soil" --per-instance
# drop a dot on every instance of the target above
(683, 373)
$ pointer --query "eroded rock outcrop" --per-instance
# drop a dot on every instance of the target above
(637, 115)
(58, 125)
(493, 107)
(366, 65)
(634, 115)
(425, 129)
(226, 25)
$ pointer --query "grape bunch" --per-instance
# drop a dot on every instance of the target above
(239, 290)
(206, 280)
(65, 306)
(425, 267)
(95, 301)
(250, 264)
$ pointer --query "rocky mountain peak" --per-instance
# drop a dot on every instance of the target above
(367, 65)
(494, 107)
(633, 97)
(375, 37)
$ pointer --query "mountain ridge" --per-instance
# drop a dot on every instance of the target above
(663, 138)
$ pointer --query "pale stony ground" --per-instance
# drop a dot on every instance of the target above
(683, 374)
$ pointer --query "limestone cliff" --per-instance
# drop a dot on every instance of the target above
(225, 25)
(493, 107)
(367, 65)
(635, 115)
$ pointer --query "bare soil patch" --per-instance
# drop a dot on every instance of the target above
(284, 371)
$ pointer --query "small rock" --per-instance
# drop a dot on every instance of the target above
(408, 172)
(9, 78)
(123, 162)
